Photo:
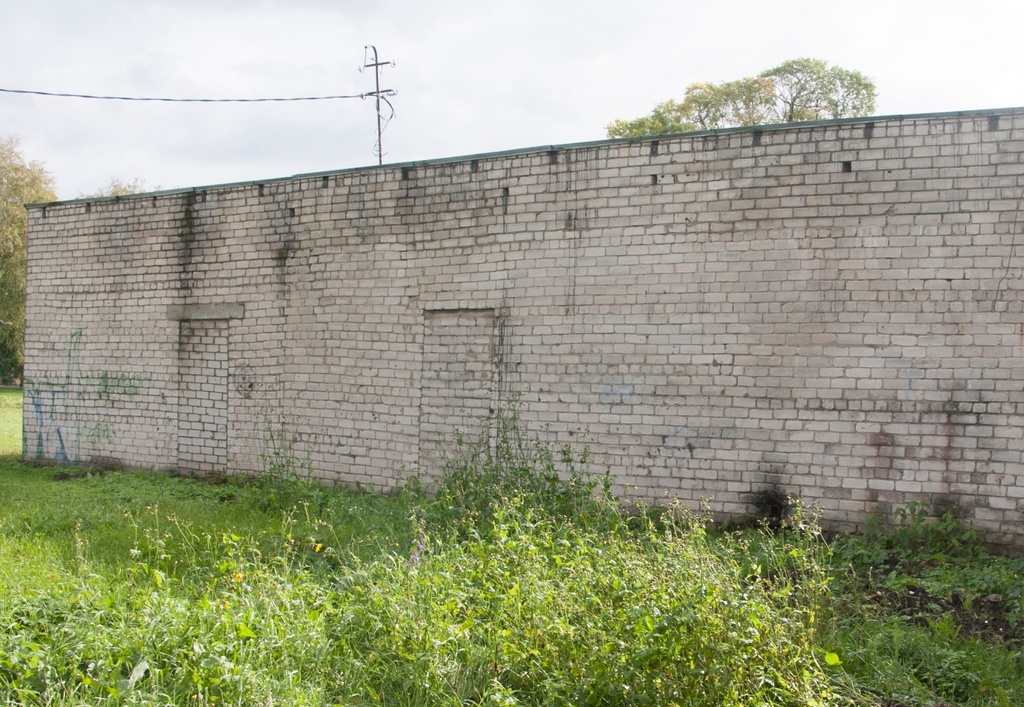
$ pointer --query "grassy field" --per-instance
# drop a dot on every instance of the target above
(511, 586)
(10, 422)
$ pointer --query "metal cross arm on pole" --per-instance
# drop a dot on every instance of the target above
(379, 95)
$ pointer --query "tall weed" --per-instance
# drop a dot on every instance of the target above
(516, 464)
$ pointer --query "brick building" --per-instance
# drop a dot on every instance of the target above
(825, 310)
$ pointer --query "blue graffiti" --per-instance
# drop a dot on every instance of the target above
(62, 455)
(50, 403)
(45, 405)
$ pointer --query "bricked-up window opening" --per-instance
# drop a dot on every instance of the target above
(203, 395)
(459, 358)
(847, 166)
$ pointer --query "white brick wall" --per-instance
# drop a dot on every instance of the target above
(829, 311)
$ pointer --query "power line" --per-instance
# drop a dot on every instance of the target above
(186, 100)
(378, 94)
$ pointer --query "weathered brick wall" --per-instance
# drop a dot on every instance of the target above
(829, 311)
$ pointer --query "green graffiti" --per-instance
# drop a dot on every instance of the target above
(99, 433)
(106, 384)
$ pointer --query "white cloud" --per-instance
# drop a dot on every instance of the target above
(472, 76)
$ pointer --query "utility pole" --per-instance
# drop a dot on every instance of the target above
(378, 95)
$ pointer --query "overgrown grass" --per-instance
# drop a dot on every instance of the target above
(519, 583)
(160, 589)
(926, 616)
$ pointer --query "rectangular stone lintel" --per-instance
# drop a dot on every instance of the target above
(187, 312)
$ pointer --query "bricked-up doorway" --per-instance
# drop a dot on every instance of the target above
(203, 395)
(457, 384)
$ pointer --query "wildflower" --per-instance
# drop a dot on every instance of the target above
(318, 547)
(418, 551)
(238, 577)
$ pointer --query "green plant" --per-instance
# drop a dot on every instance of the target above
(278, 449)
(918, 531)
(515, 464)
(288, 478)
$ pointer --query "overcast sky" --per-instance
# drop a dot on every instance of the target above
(472, 76)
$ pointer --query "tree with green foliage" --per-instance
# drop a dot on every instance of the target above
(21, 183)
(120, 187)
(796, 90)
